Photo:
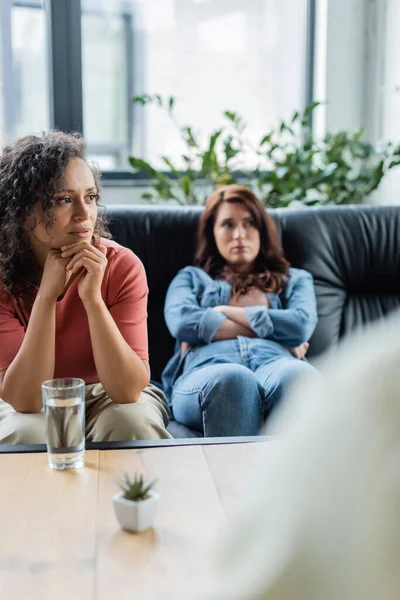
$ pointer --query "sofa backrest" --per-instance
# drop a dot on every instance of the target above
(353, 253)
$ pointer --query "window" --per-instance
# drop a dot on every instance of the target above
(24, 96)
(107, 75)
(211, 55)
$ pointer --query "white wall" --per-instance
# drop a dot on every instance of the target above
(358, 74)
(388, 93)
(345, 58)
(350, 40)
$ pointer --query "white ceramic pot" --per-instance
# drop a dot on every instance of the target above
(136, 515)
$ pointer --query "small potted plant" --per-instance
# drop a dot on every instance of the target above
(135, 505)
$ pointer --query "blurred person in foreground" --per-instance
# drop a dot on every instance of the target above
(242, 318)
(321, 521)
(72, 303)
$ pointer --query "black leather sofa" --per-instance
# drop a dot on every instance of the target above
(353, 252)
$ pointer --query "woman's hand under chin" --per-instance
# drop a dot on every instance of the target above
(253, 297)
(55, 277)
(93, 261)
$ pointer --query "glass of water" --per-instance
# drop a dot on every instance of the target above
(64, 407)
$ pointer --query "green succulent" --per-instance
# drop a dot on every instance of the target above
(136, 489)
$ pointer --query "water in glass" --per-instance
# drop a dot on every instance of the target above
(64, 407)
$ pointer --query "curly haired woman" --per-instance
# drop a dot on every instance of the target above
(72, 303)
(242, 319)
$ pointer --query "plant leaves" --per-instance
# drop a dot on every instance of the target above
(136, 489)
(186, 184)
(190, 137)
(141, 165)
(266, 138)
(295, 116)
(338, 169)
(230, 115)
(310, 108)
(169, 164)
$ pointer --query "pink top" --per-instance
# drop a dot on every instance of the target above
(124, 291)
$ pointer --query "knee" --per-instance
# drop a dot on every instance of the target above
(114, 425)
(297, 369)
(230, 383)
(290, 373)
(18, 428)
(130, 422)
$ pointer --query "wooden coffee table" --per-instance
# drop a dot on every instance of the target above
(59, 538)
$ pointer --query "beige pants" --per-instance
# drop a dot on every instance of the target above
(106, 421)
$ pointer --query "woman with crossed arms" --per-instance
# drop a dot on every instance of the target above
(72, 303)
(242, 319)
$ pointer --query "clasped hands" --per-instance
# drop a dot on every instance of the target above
(79, 260)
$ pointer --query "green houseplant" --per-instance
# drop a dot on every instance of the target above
(136, 504)
(288, 164)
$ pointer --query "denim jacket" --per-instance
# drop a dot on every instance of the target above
(290, 320)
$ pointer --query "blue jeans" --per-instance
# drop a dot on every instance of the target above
(228, 388)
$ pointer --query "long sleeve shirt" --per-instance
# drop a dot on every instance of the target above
(289, 320)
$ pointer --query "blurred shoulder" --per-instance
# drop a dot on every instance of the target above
(297, 274)
(194, 275)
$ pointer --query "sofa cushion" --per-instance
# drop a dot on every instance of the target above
(353, 254)
(178, 430)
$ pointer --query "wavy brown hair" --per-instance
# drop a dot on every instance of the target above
(270, 267)
(29, 171)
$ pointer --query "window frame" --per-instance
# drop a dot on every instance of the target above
(64, 20)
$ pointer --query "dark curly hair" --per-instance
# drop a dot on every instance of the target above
(29, 170)
(270, 268)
